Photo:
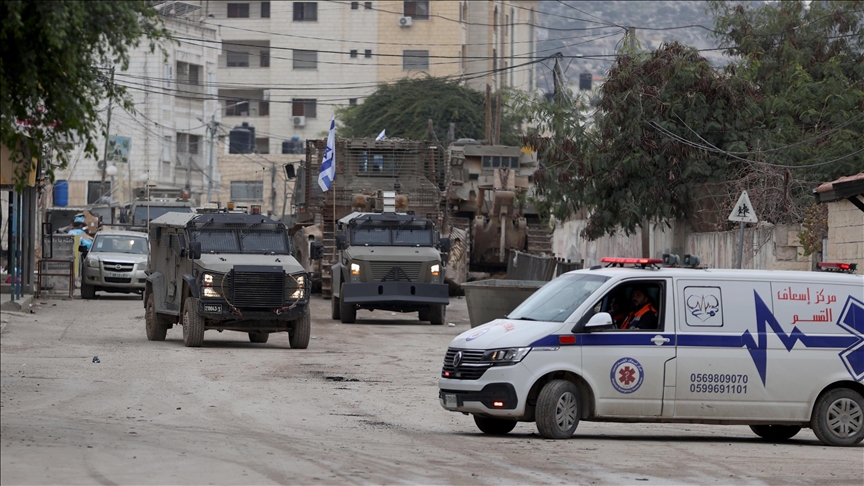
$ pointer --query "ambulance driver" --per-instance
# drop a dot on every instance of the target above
(644, 314)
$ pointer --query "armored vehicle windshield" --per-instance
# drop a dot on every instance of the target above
(218, 234)
(406, 232)
(151, 212)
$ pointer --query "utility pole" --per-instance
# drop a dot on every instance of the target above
(631, 33)
(107, 136)
(488, 114)
(212, 129)
(273, 188)
(646, 223)
(498, 118)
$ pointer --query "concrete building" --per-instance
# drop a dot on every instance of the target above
(285, 67)
(845, 200)
(174, 94)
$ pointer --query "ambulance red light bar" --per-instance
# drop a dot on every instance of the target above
(615, 261)
(837, 267)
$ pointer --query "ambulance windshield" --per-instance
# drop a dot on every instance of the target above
(555, 301)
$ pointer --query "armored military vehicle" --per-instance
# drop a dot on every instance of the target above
(364, 166)
(152, 202)
(224, 271)
(391, 261)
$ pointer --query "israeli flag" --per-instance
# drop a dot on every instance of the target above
(328, 163)
(381, 135)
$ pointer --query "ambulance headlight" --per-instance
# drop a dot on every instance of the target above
(503, 357)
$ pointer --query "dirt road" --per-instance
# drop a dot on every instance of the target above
(359, 406)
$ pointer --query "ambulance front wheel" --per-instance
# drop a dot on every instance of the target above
(775, 433)
(557, 413)
(838, 417)
(493, 426)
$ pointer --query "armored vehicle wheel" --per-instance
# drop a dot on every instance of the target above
(258, 337)
(494, 426)
(193, 324)
(88, 291)
(300, 332)
(334, 307)
(775, 433)
(157, 326)
(557, 412)
(423, 315)
(838, 417)
(347, 312)
(437, 313)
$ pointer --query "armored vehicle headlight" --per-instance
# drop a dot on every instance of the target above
(505, 356)
(93, 262)
(211, 293)
(436, 270)
(301, 281)
(355, 269)
(208, 280)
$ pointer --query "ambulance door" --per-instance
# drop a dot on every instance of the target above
(721, 351)
(626, 368)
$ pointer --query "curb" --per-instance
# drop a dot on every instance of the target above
(20, 305)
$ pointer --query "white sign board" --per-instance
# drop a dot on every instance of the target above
(743, 211)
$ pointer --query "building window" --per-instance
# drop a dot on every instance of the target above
(237, 108)
(368, 53)
(188, 73)
(307, 108)
(305, 59)
(262, 145)
(416, 10)
(367, 5)
(247, 190)
(305, 11)
(237, 58)
(353, 52)
(94, 194)
(355, 5)
(352, 101)
(415, 59)
(188, 143)
(265, 58)
(265, 10)
(263, 108)
(238, 10)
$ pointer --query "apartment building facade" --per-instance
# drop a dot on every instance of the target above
(173, 93)
(286, 66)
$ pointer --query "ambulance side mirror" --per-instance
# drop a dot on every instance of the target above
(599, 321)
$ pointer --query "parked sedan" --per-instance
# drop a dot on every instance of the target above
(115, 262)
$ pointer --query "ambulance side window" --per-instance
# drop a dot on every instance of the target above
(634, 305)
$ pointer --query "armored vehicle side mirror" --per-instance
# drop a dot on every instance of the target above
(341, 242)
(444, 244)
(316, 250)
(195, 250)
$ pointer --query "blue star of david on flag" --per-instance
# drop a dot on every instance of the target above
(328, 163)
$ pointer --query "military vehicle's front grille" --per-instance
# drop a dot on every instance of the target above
(258, 289)
(117, 280)
(469, 368)
(118, 266)
(380, 270)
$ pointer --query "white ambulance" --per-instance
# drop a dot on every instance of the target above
(775, 350)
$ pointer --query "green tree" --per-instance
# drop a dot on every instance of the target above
(807, 60)
(403, 108)
(55, 61)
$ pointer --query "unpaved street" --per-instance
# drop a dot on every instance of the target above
(359, 406)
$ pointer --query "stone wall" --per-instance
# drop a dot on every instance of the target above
(845, 234)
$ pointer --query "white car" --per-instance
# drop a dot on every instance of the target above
(115, 262)
(775, 350)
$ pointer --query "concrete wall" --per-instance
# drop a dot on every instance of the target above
(845, 234)
(766, 247)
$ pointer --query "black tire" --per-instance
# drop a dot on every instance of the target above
(156, 325)
(193, 324)
(334, 308)
(259, 337)
(494, 426)
(301, 331)
(838, 417)
(423, 315)
(347, 312)
(437, 313)
(87, 291)
(558, 410)
(775, 433)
